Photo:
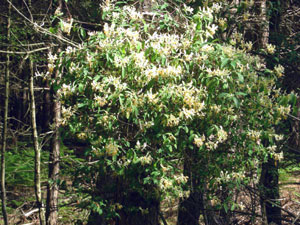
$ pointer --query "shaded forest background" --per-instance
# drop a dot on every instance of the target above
(42, 165)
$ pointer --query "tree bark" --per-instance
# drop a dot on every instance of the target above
(136, 208)
(269, 174)
(54, 157)
(37, 164)
(5, 120)
(264, 23)
(190, 209)
(52, 187)
(46, 110)
(269, 182)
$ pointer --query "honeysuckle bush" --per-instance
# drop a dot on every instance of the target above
(152, 87)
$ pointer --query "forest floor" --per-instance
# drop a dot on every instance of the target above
(289, 197)
(68, 214)
(290, 193)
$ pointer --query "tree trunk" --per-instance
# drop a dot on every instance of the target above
(52, 187)
(264, 24)
(270, 192)
(136, 218)
(136, 208)
(190, 209)
(5, 120)
(37, 164)
(269, 173)
(46, 110)
(54, 157)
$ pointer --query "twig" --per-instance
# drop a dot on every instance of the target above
(163, 218)
(29, 213)
(26, 52)
(296, 219)
(294, 117)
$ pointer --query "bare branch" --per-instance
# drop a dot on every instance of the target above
(26, 52)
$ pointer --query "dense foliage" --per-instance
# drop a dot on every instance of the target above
(174, 112)
(151, 88)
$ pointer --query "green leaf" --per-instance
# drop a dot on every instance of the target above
(164, 6)
(138, 46)
(233, 64)
(81, 105)
(52, 30)
(241, 93)
(240, 77)
(268, 71)
(123, 72)
(232, 207)
(225, 207)
(224, 61)
(145, 26)
(224, 95)
(82, 32)
(236, 101)
(96, 78)
(80, 87)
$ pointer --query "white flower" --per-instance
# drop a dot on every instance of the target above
(278, 156)
(279, 70)
(187, 113)
(181, 179)
(249, 45)
(66, 26)
(216, 7)
(283, 111)
(199, 141)
(212, 30)
(222, 135)
(146, 160)
(271, 48)
(206, 12)
(272, 148)
(172, 121)
(101, 101)
(52, 58)
(165, 184)
(111, 149)
(187, 9)
(207, 48)
(70, 50)
(140, 60)
(278, 137)
(109, 30)
(254, 135)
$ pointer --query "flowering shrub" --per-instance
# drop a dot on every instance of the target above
(151, 87)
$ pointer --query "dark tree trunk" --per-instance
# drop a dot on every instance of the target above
(54, 156)
(190, 208)
(136, 208)
(46, 114)
(4, 129)
(270, 192)
(52, 188)
(269, 174)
